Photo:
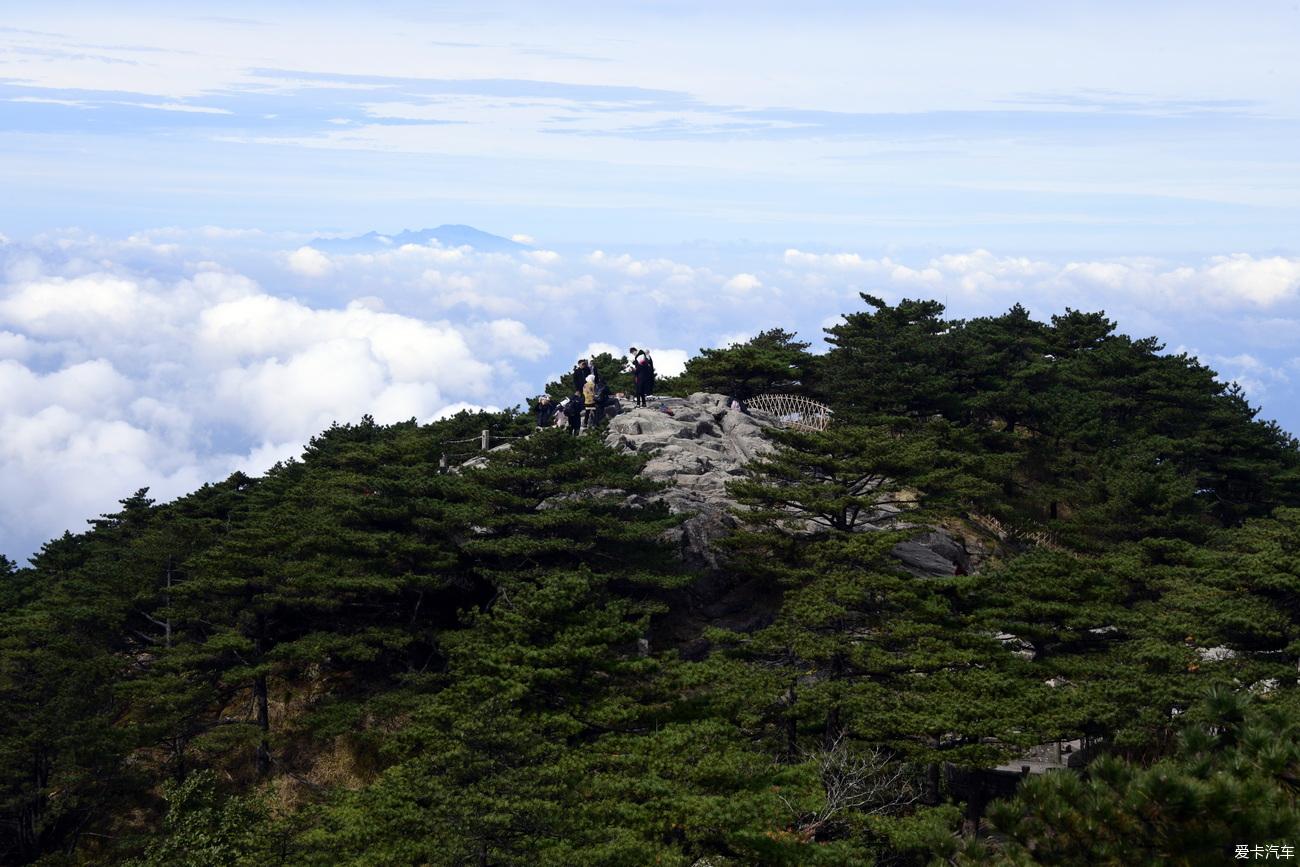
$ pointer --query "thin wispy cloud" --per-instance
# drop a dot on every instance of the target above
(1120, 101)
(934, 117)
(24, 32)
(227, 19)
(63, 54)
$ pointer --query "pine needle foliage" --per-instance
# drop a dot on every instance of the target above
(360, 658)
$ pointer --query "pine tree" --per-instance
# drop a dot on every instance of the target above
(771, 361)
(890, 362)
(999, 366)
(547, 663)
(339, 570)
(1230, 781)
(860, 655)
(62, 762)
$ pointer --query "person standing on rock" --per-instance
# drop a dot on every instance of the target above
(603, 400)
(573, 412)
(630, 367)
(643, 374)
(589, 402)
(545, 411)
(581, 372)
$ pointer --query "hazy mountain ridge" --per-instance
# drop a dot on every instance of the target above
(450, 235)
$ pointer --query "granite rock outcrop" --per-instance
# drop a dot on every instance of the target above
(698, 444)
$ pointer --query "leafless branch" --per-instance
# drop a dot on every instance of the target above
(868, 780)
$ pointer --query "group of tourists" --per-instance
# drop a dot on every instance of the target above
(591, 399)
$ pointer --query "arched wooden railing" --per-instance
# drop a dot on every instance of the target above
(792, 410)
(1041, 538)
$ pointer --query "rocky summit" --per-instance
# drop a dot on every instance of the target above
(698, 444)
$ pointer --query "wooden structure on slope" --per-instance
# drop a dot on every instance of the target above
(794, 411)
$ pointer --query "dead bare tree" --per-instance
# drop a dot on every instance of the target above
(867, 780)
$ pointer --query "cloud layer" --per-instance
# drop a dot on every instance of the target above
(172, 357)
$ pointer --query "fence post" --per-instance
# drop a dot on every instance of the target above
(487, 439)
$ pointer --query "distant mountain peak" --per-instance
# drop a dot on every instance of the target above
(446, 235)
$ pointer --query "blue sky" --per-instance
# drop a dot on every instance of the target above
(687, 174)
(1137, 128)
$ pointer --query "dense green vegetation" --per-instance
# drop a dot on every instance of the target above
(359, 659)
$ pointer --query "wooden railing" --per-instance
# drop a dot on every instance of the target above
(793, 411)
(481, 443)
(1041, 538)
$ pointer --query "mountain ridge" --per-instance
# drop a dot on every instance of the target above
(447, 235)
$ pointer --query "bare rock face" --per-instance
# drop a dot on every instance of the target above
(698, 445)
(933, 554)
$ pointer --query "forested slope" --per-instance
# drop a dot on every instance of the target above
(358, 659)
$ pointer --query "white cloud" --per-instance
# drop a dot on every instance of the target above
(56, 306)
(667, 269)
(14, 345)
(455, 281)
(594, 349)
(670, 362)
(1234, 281)
(1259, 281)
(930, 276)
(310, 262)
(179, 106)
(1112, 275)
(742, 283)
(460, 406)
(1257, 377)
(313, 366)
(170, 383)
(733, 338)
(179, 367)
(543, 257)
(263, 324)
(431, 251)
(508, 338)
(523, 239)
(332, 380)
(624, 263)
(79, 386)
(61, 466)
(837, 261)
(266, 455)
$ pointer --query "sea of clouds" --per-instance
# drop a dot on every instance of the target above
(174, 357)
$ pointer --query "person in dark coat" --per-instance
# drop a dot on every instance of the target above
(602, 400)
(573, 409)
(643, 375)
(545, 411)
(581, 372)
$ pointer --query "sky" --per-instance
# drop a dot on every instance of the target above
(685, 175)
